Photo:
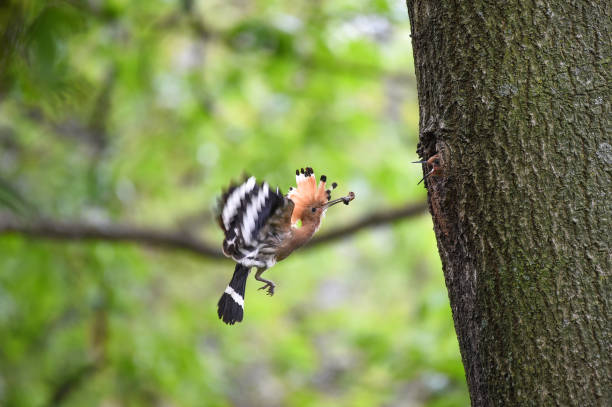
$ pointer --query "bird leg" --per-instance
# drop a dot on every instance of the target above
(269, 284)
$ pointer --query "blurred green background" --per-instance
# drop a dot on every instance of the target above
(139, 113)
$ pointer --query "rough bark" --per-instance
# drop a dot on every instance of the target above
(516, 97)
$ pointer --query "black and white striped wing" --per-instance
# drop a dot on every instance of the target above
(243, 211)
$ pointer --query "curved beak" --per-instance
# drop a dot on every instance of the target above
(344, 199)
(426, 175)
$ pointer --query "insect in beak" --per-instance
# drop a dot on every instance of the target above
(344, 199)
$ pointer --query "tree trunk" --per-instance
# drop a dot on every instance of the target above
(516, 98)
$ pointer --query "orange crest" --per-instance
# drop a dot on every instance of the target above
(307, 194)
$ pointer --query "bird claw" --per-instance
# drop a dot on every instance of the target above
(270, 288)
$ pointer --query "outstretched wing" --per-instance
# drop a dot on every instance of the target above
(244, 210)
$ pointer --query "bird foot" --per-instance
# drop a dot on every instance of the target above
(270, 288)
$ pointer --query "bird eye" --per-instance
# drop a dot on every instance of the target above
(437, 162)
(314, 210)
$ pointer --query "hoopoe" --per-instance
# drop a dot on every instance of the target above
(262, 226)
(436, 168)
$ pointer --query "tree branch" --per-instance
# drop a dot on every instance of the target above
(373, 220)
(177, 240)
(60, 230)
(67, 385)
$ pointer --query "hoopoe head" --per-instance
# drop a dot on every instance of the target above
(434, 163)
(311, 200)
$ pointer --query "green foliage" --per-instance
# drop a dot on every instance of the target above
(140, 112)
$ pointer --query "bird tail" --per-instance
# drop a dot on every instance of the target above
(231, 304)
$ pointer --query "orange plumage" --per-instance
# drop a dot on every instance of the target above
(307, 193)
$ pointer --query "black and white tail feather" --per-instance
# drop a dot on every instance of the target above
(231, 304)
(243, 213)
